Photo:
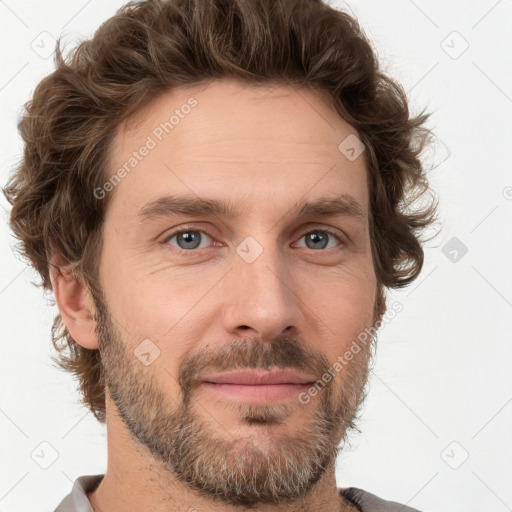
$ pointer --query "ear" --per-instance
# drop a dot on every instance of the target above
(75, 303)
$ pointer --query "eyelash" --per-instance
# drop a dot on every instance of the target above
(187, 230)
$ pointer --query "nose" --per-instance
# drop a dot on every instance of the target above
(260, 298)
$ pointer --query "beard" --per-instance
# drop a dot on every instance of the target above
(235, 469)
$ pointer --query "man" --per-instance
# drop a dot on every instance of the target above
(215, 192)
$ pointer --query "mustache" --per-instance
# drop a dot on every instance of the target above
(283, 352)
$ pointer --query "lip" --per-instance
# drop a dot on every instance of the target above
(259, 378)
(256, 393)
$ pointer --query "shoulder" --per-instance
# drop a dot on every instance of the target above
(76, 500)
(368, 502)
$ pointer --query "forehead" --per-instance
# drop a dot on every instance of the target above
(226, 138)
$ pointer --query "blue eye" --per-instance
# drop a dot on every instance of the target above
(319, 239)
(188, 239)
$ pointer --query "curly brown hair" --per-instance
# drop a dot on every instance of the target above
(153, 46)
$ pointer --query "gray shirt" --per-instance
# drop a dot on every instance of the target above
(76, 500)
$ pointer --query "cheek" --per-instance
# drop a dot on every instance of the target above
(166, 306)
(344, 304)
(349, 315)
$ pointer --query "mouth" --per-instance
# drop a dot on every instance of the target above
(258, 386)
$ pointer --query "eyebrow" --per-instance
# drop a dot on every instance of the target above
(340, 205)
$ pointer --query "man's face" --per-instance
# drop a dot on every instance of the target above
(263, 287)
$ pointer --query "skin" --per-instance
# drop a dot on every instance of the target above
(264, 149)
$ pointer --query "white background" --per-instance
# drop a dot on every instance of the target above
(441, 391)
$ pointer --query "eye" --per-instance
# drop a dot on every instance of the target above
(319, 239)
(188, 239)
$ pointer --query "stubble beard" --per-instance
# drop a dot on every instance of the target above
(235, 470)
